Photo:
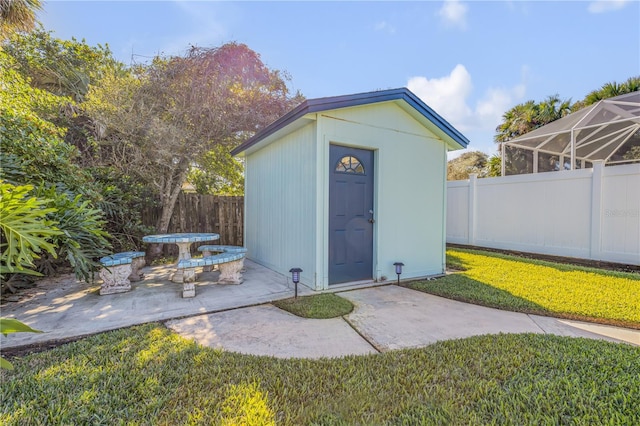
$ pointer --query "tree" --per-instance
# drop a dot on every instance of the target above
(516, 121)
(55, 74)
(551, 109)
(34, 154)
(522, 119)
(166, 117)
(461, 167)
(633, 153)
(17, 15)
(495, 166)
(64, 68)
(218, 173)
(528, 116)
(32, 149)
(61, 67)
(609, 90)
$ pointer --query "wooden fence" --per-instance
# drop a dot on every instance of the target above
(203, 213)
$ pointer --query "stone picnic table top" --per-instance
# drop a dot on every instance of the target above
(183, 241)
(189, 237)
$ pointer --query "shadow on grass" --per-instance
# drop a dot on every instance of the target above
(457, 264)
(464, 289)
(567, 284)
(458, 286)
(454, 263)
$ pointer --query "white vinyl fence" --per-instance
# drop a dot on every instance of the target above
(588, 213)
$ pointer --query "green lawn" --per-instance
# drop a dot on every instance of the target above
(534, 286)
(149, 375)
(319, 306)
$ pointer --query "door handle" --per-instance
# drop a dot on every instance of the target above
(371, 220)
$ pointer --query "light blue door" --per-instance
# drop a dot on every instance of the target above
(350, 214)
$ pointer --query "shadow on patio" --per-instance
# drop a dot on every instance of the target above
(66, 309)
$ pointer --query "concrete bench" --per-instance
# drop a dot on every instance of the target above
(208, 250)
(230, 265)
(119, 270)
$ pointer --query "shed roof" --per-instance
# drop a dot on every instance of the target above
(402, 96)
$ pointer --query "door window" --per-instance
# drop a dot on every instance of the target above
(349, 164)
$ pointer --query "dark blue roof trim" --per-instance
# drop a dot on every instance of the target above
(335, 102)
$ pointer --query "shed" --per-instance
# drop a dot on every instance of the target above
(344, 187)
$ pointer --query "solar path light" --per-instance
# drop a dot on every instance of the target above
(295, 277)
(398, 266)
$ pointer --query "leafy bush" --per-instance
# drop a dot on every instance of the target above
(36, 155)
(38, 231)
(26, 230)
(83, 239)
(62, 67)
(32, 144)
(11, 325)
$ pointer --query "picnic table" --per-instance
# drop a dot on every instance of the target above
(184, 242)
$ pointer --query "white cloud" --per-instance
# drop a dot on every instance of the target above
(454, 14)
(449, 97)
(446, 95)
(603, 6)
(386, 27)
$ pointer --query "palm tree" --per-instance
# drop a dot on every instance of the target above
(17, 15)
(609, 90)
(522, 119)
(517, 121)
(552, 109)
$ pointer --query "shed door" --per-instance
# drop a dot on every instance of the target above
(350, 214)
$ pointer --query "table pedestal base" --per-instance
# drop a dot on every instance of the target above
(183, 276)
(188, 289)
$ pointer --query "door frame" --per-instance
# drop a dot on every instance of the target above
(322, 255)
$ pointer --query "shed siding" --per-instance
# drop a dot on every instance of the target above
(280, 199)
(409, 185)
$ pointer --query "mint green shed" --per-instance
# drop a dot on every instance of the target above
(346, 186)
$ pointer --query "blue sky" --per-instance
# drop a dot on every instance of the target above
(468, 60)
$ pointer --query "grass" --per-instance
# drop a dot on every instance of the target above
(539, 287)
(324, 305)
(148, 375)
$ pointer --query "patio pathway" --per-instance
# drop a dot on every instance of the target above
(385, 318)
(65, 308)
(239, 317)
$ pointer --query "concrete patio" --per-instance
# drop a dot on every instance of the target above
(65, 308)
(240, 318)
